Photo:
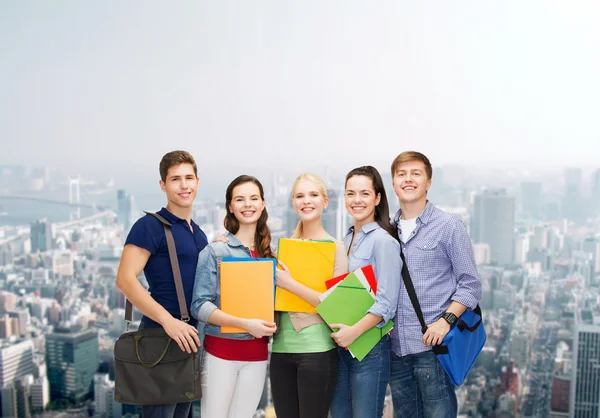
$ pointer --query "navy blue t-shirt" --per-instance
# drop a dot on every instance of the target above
(148, 233)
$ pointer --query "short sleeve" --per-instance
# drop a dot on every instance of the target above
(146, 233)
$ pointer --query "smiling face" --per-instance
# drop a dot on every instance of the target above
(361, 199)
(246, 203)
(180, 185)
(308, 200)
(410, 182)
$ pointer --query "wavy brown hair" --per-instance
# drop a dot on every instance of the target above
(262, 237)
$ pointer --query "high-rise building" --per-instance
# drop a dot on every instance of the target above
(591, 245)
(16, 360)
(7, 255)
(573, 207)
(596, 190)
(5, 326)
(40, 393)
(531, 197)
(9, 401)
(330, 219)
(8, 301)
(561, 387)
(21, 317)
(124, 209)
(585, 387)
(104, 392)
(493, 223)
(72, 361)
(41, 236)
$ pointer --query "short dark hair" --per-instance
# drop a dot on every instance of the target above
(174, 158)
(412, 156)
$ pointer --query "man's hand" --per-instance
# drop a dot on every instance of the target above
(259, 328)
(220, 238)
(185, 335)
(436, 332)
(345, 335)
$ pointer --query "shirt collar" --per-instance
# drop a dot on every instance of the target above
(172, 218)
(232, 240)
(365, 228)
(424, 217)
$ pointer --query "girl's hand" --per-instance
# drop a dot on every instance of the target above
(284, 278)
(344, 336)
(259, 328)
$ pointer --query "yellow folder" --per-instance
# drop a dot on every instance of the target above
(310, 263)
(247, 289)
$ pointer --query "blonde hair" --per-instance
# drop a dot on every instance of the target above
(322, 189)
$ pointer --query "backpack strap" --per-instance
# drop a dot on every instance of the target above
(176, 272)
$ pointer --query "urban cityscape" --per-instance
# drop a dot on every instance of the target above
(536, 244)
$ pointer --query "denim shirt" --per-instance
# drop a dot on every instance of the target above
(373, 245)
(207, 293)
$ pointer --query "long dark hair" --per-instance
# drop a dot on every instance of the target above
(382, 211)
(262, 237)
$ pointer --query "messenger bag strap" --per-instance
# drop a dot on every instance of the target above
(176, 273)
(412, 294)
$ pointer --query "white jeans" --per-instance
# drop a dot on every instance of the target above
(231, 389)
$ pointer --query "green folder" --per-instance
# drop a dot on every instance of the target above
(347, 304)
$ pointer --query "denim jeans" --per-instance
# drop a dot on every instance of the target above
(361, 385)
(421, 388)
(176, 410)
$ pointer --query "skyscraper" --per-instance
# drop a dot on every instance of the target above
(585, 388)
(41, 236)
(531, 198)
(16, 361)
(573, 207)
(596, 190)
(72, 360)
(493, 223)
(331, 213)
(124, 209)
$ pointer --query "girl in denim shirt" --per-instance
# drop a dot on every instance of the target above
(361, 385)
(304, 357)
(234, 366)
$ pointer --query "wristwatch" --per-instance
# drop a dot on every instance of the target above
(449, 317)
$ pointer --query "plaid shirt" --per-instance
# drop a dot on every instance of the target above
(439, 256)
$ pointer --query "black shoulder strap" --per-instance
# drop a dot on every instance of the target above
(176, 272)
(412, 294)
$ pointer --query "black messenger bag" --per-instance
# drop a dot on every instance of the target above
(150, 368)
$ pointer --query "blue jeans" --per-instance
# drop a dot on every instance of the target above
(421, 388)
(360, 387)
(175, 410)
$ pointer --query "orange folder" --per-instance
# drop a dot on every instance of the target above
(310, 263)
(247, 290)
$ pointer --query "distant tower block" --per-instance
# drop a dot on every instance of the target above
(74, 198)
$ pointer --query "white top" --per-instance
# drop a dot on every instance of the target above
(407, 226)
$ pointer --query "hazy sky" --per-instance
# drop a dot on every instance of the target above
(299, 83)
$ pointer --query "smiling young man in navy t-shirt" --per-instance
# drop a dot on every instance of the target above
(146, 249)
